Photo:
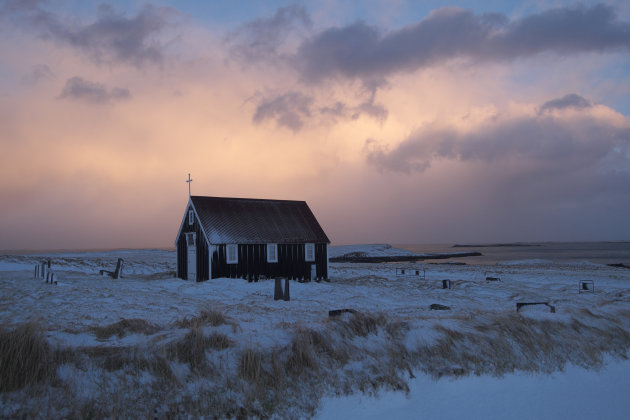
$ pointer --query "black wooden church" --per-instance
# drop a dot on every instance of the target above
(251, 239)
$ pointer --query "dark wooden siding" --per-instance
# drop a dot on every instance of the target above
(321, 260)
(252, 262)
(182, 257)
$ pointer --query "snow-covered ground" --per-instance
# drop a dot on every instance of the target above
(576, 393)
(391, 358)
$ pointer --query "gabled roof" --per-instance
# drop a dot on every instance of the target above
(255, 221)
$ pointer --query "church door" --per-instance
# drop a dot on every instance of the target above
(191, 246)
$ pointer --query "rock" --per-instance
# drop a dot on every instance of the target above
(337, 312)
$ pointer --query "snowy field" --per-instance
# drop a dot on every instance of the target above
(153, 345)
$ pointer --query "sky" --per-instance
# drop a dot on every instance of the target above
(396, 121)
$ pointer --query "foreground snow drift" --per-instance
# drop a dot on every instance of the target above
(575, 393)
(156, 345)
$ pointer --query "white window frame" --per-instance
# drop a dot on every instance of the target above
(273, 247)
(231, 249)
(191, 217)
(309, 249)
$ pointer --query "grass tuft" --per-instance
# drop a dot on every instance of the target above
(25, 357)
(218, 341)
(124, 327)
(206, 317)
(191, 349)
(250, 365)
(360, 324)
(365, 324)
(302, 355)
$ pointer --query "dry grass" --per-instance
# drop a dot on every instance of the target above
(507, 343)
(191, 349)
(396, 329)
(250, 365)
(310, 348)
(218, 341)
(362, 324)
(302, 355)
(206, 317)
(367, 352)
(25, 357)
(124, 327)
(161, 368)
(278, 374)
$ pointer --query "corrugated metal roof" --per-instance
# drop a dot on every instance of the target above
(256, 221)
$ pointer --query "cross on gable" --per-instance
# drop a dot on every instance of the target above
(188, 181)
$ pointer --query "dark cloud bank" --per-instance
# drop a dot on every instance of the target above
(361, 51)
(562, 173)
(111, 38)
(563, 144)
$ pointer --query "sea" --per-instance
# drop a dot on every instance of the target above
(557, 252)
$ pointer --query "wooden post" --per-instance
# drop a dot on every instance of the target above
(119, 266)
(287, 297)
(277, 292)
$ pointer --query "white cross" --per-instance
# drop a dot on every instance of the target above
(188, 181)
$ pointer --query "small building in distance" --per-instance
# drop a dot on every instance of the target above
(250, 239)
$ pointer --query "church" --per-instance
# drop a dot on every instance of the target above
(250, 239)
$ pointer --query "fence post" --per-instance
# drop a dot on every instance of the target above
(277, 292)
(287, 297)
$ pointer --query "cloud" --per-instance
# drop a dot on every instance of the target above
(341, 111)
(516, 174)
(261, 39)
(111, 38)
(571, 100)
(38, 72)
(369, 106)
(15, 7)
(337, 110)
(550, 142)
(293, 110)
(288, 110)
(77, 88)
(361, 51)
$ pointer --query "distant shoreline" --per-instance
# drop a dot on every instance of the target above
(517, 244)
(402, 258)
